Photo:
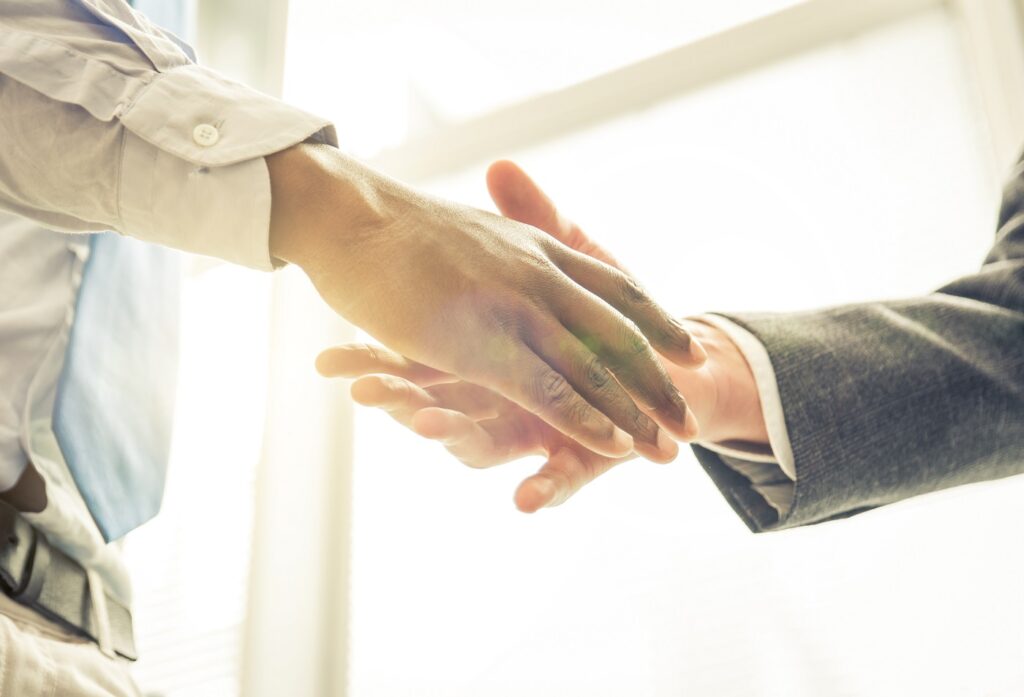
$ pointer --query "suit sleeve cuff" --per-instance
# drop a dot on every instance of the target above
(780, 450)
(757, 479)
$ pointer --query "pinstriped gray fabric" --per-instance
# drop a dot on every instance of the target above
(888, 400)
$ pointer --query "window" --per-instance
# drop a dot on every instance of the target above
(190, 565)
(856, 165)
(448, 60)
(744, 154)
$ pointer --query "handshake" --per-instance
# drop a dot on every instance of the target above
(513, 336)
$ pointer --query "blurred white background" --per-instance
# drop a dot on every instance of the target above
(838, 151)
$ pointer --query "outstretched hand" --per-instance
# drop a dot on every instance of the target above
(476, 425)
(480, 427)
(484, 297)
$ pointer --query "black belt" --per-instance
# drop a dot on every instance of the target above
(37, 574)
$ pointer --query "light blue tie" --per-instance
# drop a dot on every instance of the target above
(115, 397)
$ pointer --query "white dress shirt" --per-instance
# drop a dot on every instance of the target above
(106, 123)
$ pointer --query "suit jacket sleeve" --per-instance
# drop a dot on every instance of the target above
(887, 400)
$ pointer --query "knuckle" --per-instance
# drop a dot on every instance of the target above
(543, 248)
(677, 328)
(671, 331)
(632, 292)
(597, 375)
(396, 394)
(630, 327)
(633, 340)
(546, 283)
(580, 413)
(551, 389)
(678, 338)
(537, 259)
(563, 481)
(401, 389)
(642, 423)
(591, 423)
(509, 323)
(353, 350)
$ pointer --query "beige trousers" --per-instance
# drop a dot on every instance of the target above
(39, 658)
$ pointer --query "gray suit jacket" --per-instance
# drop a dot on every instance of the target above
(888, 400)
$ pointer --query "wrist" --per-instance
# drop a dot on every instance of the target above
(737, 414)
(322, 202)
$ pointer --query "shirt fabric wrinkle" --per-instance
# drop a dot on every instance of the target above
(99, 110)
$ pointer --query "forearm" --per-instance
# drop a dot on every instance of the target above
(308, 191)
(884, 401)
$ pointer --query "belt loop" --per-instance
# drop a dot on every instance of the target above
(100, 614)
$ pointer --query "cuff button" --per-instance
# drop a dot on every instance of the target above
(205, 135)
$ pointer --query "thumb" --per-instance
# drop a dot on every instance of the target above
(518, 197)
(565, 473)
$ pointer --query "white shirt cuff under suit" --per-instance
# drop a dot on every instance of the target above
(771, 470)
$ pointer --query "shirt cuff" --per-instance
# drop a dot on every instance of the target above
(192, 173)
(770, 468)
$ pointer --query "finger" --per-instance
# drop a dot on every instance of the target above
(532, 384)
(397, 396)
(595, 383)
(475, 444)
(474, 401)
(354, 360)
(623, 348)
(518, 197)
(626, 295)
(401, 398)
(565, 473)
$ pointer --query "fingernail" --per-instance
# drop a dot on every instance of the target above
(666, 444)
(622, 441)
(687, 341)
(648, 431)
(676, 409)
(690, 428)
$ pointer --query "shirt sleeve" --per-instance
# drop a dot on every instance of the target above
(770, 469)
(108, 123)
